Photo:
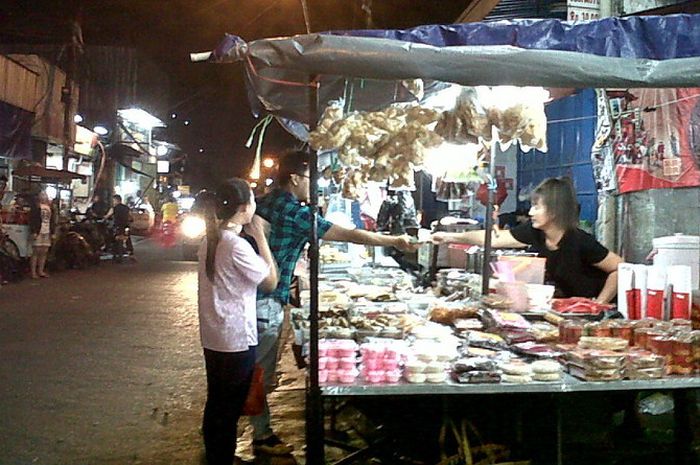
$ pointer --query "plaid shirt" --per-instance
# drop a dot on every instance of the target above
(290, 226)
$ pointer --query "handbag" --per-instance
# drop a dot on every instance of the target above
(255, 402)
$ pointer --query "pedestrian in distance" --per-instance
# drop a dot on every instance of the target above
(230, 272)
(40, 228)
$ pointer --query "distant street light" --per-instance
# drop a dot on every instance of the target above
(100, 130)
(77, 119)
(173, 116)
(201, 150)
(268, 163)
(187, 122)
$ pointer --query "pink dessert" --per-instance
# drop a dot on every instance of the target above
(375, 376)
(389, 364)
(332, 363)
(347, 363)
(332, 376)
(322, 376)
(347, 376)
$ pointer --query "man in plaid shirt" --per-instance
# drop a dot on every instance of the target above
(289, 228)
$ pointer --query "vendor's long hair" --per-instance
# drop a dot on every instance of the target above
(218, 209)
(559, 197)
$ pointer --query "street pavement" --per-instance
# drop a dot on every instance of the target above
(104, 366)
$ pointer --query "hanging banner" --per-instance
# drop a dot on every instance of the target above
(654, 138)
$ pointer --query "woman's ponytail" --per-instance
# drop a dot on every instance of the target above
(213, 234)
(230, 196)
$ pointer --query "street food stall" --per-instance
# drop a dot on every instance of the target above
(372, 332)
(15, 218)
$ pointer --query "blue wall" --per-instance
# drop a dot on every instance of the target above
(569, 152)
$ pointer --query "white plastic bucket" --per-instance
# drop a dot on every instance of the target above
(679, 249)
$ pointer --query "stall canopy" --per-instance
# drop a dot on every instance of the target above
(613, 52)
(47, 175)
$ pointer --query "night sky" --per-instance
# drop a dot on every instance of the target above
(212, 97)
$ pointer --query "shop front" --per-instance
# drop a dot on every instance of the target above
(371, 331)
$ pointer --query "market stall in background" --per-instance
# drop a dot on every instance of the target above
(422, 99)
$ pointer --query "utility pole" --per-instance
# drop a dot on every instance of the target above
(74, 48)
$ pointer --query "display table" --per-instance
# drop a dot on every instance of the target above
(568, 384)
(679, 387)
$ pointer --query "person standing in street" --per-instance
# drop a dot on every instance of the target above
(230, 272)
(121, 216)
(288, 220)
(40, 229)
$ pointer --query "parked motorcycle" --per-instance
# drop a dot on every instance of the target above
(119, 244)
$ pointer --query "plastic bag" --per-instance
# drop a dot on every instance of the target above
(656, 404)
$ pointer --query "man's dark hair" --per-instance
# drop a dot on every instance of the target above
(293, 162)
(117, 197)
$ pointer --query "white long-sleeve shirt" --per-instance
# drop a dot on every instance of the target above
(227, 317)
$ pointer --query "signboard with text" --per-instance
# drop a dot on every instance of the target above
(582, 10)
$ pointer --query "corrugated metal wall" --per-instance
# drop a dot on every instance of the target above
(19, 86)
(512, 9)
(569, 152)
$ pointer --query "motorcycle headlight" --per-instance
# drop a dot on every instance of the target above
(193, 227)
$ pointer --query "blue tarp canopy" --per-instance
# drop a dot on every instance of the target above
(646, 51)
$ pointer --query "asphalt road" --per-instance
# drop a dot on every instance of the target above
(104, 366)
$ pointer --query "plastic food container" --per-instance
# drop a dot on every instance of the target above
(375, 376)
(347, 363)
(415, 366)
(332, 363)
(322, 376)
(390, 364)
(393, 376)
(415, 378)
(347, 376)
(322, 363)
(372, 363)
(333, 376)
(436, 377)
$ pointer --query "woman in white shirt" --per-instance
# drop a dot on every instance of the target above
(230, 272)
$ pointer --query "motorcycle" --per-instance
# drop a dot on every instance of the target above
(119, 244)
(168, 234)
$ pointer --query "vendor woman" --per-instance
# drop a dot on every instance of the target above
(577, 264)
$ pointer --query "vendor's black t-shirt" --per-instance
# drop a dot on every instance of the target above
(571, 267)
(121, 216)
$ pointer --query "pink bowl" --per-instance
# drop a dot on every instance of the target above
(372, 363)
(375, 376)
(389, 364)
(332, 363)
(392, 353)
(393, 376)
(347, 376)
(333, 376)
(345, 352)
(347, 363)
(322, 363)
(322, 352)
(322, 376)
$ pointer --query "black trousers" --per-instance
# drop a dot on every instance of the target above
(228, 379)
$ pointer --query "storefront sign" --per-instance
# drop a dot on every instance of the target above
(582, 10)
(85, 140)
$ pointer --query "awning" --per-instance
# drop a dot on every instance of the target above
(645, 51)
(47, 175)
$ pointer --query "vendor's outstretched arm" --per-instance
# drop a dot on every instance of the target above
(499, 240)
(360, 236)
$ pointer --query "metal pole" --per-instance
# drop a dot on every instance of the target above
(488, 221)
(314, 402)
